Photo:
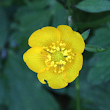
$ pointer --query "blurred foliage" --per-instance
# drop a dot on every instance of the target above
(24, 90)
(100, 62)
(94, 6)
(3, 27)
(19, 86)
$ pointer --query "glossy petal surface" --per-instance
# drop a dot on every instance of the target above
(54, 80)
(35, 57)
(72, 69)
(71, 38)
(44, 37)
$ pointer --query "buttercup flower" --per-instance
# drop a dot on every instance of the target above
(55, 54)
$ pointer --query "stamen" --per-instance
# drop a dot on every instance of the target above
(58, 56)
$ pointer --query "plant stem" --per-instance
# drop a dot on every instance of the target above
(69, 13)
(77, 94)
(77, 80)
(69, 9)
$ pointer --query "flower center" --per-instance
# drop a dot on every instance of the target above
(58, 56)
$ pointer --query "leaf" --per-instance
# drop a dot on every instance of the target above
(0, 64)
(3, 27)
(100, 66)
(95, 98)
(92, 97)
(39, 4)
(29, 21)
(85, 34)
(93, 48)
(5, 2)
(94, 6)
(94, 23)
(4, 88)
(33, 20)
(1, 91)
(59, 15)
(30, 18)
(25, 91)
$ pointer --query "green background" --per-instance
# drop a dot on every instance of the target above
(19, 86)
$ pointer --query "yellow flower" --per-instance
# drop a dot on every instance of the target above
(55, 54)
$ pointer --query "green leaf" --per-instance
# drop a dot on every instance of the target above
(1, 91)
(94, 23)
(100, 63)
(39, 4)
(59, 15)
(95, 97)
(93, 48)
(30, 18)
(5, 2)
(0, 64)
(29, 21)
(94, 6)
(4, 88)
(25, 91)
(85, 34)
(33, 20)
(3, 27)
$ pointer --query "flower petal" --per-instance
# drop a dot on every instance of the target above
(34, 58)
(71, 38)
(54, 80)
(44, 36)
(72, 69)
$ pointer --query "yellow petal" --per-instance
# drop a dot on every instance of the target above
(72, 69)
(34, 58)
(54, 80)
(71, 38)
(44, 37)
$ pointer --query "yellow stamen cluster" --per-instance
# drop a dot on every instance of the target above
(58, 56)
